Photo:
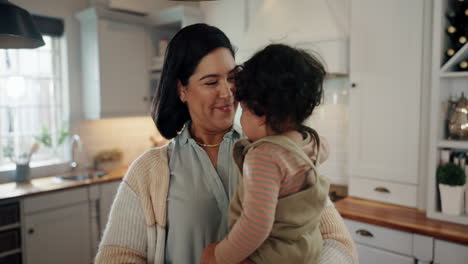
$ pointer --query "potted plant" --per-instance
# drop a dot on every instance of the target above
(451, 179)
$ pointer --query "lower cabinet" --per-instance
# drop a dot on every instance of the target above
(376, 244)
(108, 192)
(370, 255)
(101, 197)
(65, 226)
(56, 228)
(450, 253)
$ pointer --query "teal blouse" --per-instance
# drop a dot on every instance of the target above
(198, 197)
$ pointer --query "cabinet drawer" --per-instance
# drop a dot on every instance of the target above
(369, 255)
(9, 214)
(11, 259)
(450, 253)
(381, 237)
(388, 192)
(10, 240)
(55, 200)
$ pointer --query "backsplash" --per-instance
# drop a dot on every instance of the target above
(130, 135)
(331, 120)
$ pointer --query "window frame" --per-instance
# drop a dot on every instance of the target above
(59, 78)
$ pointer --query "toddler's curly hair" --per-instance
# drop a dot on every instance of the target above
(283, 83)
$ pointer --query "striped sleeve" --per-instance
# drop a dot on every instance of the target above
(262, 181)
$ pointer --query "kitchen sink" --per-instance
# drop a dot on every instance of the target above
(81, 176)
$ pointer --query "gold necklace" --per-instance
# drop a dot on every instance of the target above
(208, 145)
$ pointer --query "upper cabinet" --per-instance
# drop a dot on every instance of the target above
(115, 62)
(387, 76)
(118, 51)
(56, 228)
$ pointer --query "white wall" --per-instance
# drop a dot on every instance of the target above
(236, 17)
(331, 120)
(228, 15)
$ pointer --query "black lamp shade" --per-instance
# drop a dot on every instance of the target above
(17, 28)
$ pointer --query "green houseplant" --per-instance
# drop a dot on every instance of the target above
(451, 179)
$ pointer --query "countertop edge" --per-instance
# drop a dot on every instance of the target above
(27, 190)
(437, 229)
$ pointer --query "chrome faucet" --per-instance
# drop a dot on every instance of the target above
(75, 139)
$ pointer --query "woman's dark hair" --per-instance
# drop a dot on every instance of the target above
(282, 83)
(183, 54)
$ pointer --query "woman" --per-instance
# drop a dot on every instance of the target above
(174, 200)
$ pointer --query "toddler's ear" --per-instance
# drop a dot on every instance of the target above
(261, 120)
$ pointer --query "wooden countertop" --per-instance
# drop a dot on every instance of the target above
(401, 218)
(43, 185)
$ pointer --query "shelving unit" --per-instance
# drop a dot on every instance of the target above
(10, 233)
(447, 84)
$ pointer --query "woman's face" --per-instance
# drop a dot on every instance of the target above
(209, 92)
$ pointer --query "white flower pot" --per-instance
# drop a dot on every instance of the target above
(452, 199)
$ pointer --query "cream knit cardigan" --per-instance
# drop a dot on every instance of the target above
(136, 230)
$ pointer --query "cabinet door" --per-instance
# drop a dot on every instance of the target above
(369, 255)
(58, 236)
(385, 68)
(450, 253)
(108, 192)
(124, 79)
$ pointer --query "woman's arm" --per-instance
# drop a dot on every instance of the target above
(338, 246)
(125, 238)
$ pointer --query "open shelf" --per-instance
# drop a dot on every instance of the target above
(463, 74)
(454, 144)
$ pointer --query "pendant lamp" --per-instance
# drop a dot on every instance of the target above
(17, 28)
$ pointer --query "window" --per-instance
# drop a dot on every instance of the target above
(32, 108)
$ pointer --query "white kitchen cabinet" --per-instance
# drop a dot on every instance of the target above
(59, 231)
(385, 99)
(101, 197)
(377, 244)
(370, 255)
(381, 237)
(108, 192)
(450, 253)
(116, 51)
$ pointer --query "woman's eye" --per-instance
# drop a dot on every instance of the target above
(211, 83)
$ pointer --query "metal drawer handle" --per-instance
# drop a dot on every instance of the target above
(364, 233)
(382, 190)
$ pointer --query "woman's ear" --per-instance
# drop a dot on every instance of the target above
(181, 91)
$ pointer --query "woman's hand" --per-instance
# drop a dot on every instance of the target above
(208, 256)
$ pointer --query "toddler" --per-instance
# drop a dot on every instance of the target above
(274, 215)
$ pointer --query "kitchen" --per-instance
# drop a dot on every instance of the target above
(391, 95)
